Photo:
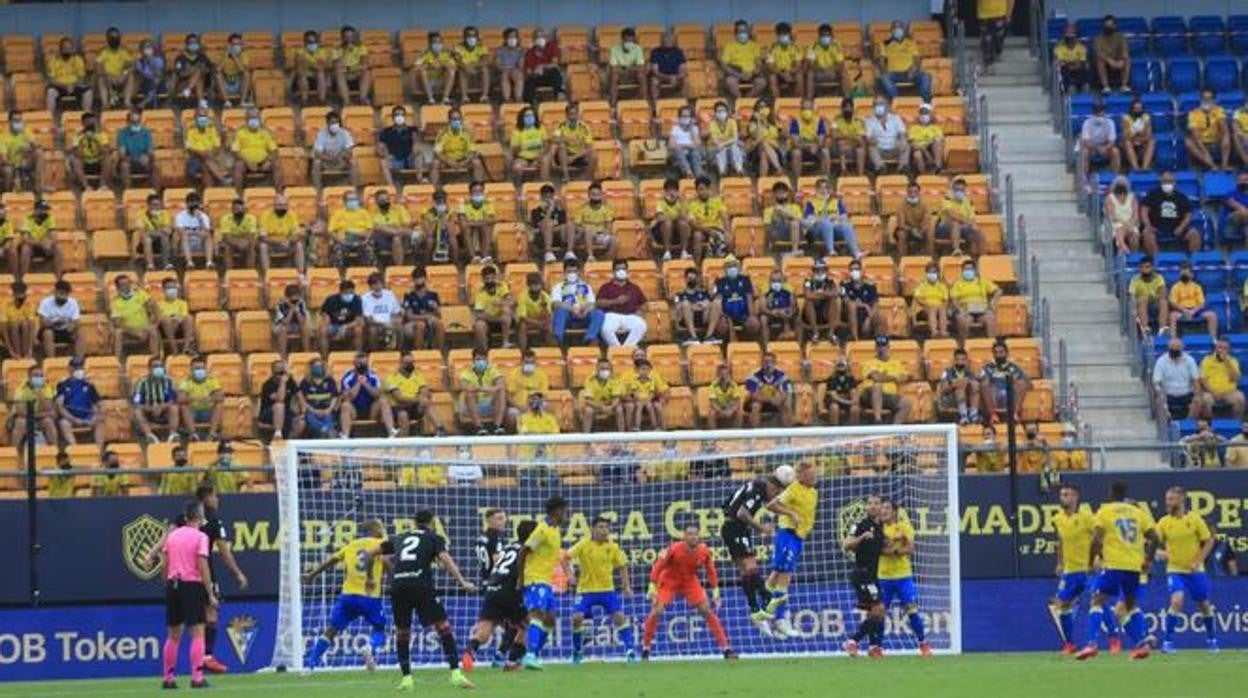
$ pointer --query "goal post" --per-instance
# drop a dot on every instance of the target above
(649, 485)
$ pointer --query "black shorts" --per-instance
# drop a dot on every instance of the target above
(414, 412)
(890, 401)
(867, 590)
(185, 603)
(92, 169)
(503, 607)
(423, 600)
(738, 538)
(64, 92)
(63, 336)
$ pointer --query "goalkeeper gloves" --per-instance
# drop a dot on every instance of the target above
(652, 590)
(715, 594)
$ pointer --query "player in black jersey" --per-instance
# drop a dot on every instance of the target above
(740, 522)
(219, 541)
(864, 545)
(412, 555)
(491, 541)
(503, 604)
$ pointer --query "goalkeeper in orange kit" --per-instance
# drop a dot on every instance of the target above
(674, 574)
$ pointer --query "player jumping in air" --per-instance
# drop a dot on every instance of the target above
(411, 590)
(675, 573)
(740, 521)
(360, 596)
(219, 542)
(1074, 538)
(896, 574)
(802, 499)
(503, 603)
(865, 543)
(1124, 536)
(596, 559)
(541, 555)
(1188, 542)
(487, 548)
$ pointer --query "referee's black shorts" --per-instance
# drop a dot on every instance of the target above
(421, 600)
(867, 589)
(502, 607)
(185, 603)
(738, 538)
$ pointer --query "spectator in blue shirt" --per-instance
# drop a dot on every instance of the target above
(733, 303)
(768, 390)
(1235, 219)
(362, 396)
(147, 76)
(668, 69)
(134, 147)
(76, 400)
(318, 402)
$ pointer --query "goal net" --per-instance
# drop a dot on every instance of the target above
(650, 486)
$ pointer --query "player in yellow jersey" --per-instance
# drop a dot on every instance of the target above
(360, 596)
(1124, 537)
(542, 553)
(596, 559)
(793, 528)
(896, 574)
(1188, 542)
(1074, 538)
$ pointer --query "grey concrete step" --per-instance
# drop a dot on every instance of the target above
(1106, 388)
(1082, 375)
(1082, 268)
(1012, 79)
(1054, 235)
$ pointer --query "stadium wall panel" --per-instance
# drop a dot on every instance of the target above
(94, 550)
(1146, 8)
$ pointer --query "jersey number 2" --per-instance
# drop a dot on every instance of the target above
(505, 561)
(410, 544)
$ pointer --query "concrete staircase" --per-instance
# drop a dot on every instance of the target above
(1071, 275)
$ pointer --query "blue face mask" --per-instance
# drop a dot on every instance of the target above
(158, 372)
(348, 297)
(479, 365)
(529, 120)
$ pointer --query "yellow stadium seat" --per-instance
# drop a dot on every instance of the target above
(202, 289)
(937, 356)
(962, 154)
(550, 360)
(796, 270)
(1039, 403)
(923, 407)
(622, 359)
(893, 316)
(298, 362)
(275, 282)
(444, 279)
(55, 369)
(322, 283)
(632, 238)
(105, 375)
(516, 276)
(237, 421)
(64, 207)
(212, 331)
(430, 364)
(399, 280)
(133, 203)
(359, 276)
(581, 362)
(635, 118)
(39, 285)
(254, 329)
(259, 366)
(788, 358)
(19, 53)
(368, 164)
(745, 358)
(339, 362)
(979, 351)
(881, 271)
(384, 362)
(228, 368)
(822, 358)
(99, 209)
(1025, 351)
(678, 409)
(511, 240)
(85, 287)
(243, 290)
(458, 321)
(361, 122)
(283, 123)
(94, 330)
(758, 269)
(1012, 316)
(29, 90)
(747, 236)
(993, 229)
(387, 85)
(857, 194)
(73, 248)
(674, 276)
(15, 372)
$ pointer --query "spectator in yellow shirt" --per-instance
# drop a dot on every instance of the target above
(201, 398)
(205, 152)
(281, 233)
(592, 226)
(351, 72)
(1219, 383)
(456, 149)
(927, 142)
(411, 399)
(476, 223)
(472, 60)
(1208, 139)
(492, 309)
(741, 62)
(645, 393)
(238, 232)
(533, 313)
(310, 68)
(434, 71)
(725, 400)
(392, 227)
(134, 317)
(784, 64)
(1187, 303)
(883, 380)
(899, 58)
(18, 316)
(955, 223)
(255, 152)
(602, 396)
(823, 60)
(763, 138)
(1239, 135)
(350, 233)
(90, 155)
(112, 70)
(39, 235)
(987, 458)
(528, 150)
(849, 140)
(973, 300)
(573, 144)
(153, 230)
(483, 394)
(523, 381)
(20, 155)
(174, 321)
(232, 73)
(35, 389)
(1148, 293)
(1071, 56)
(931, 301)
(67, 77)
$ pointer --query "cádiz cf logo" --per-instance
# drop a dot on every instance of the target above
(138, 539)
(242, 633)
(853, 512)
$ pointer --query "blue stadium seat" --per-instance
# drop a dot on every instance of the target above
(1169, 153)
(1169, 35)
(1080, 110)
(1202, 222)
(1167, 264)
(1146, 73)
(1136, 31)
(1183, 73)
(1226, 428)
(1231, 100)
(1054, 28)
(1208, 34)
(1221, 73)
(1226, 306)
(1143, 182)
(1104, 179)
(1184, 103)
(1088, 27)
(1230, 234)
(1160, 106)
(1129, 264)
(1188, 182)
(1218, 185)
(1210, 270)
(1238, 27)
(1117, 104)
(1238, 262)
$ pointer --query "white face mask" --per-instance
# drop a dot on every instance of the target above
(881, 109)
(732, 272)
(436, 47)
(471, 42)
(253, 124)
(968, 274)
(603, 374)
(1167, 188)
(777, 285)
(512, 41)
(925, 118)
(333, 128)
(171, 293)
(573, 277)
(685, 121)
(912, 199)
(1068, 440)
(399, 119)
(743, 37)
(855, 274)
(784, 39)
(825, 41)
(721, 114)
(899, 33)
(621, 274)
(820, 276)
(528, 368)
(932, 276)
(79, 374)
(540, 42)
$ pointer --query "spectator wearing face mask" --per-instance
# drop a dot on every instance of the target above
(291, 320)
(899, 60)
(1188, 303)
(17, 319)
(623, 302)
(821, 304)
(1176, 380)
(669, 222)
(382, 314)
(36, 391)
(573, 304)
(192, 72)
(645, 393)
(439, 236)
(1219, 382)
(626, 63)
(318, 403)
(398, 146)
(533, 313)
(528, 151)
(255, 152)
(1068, 455)
(973, 302)
(482, 403)
(201, 398)
(784, 64)
(840, 396)
(1071, 58)
(509, 61)
(1148, 294)
(23, 157)
(62, 484)
(455, 148)
(342, 318)
(238, 234)
(849, 141)
(1122, 216)
(332, 152)
(1208, 139)
(542, 68)
(602, 397)
(363, 398)
(927, 142)
(1138, 141)
(434, 70)
(154, 402)
(181, 481)
(930, 304)
(886, 137)
(110, 483)
(959, 389)
(860, 298)
(205, 152)
(955, 222)
(58, 316)
(233, 75)
(1235, 213)
(146, 76)
(113, 63)
(350, 233)
(668, 68)
(493, 309)
(352, 74)
(523, 382)
(537, 418)
(193, 230)
(684, 144)
(777, 310)
(822, 61)
(476, 224)
(90, 155)
(741, 62)
(1098, 143)
(278, 402)
(38, 232)
(733, 307)
(1113, 57)
(412, 400)
(422, 314)
(809, 140)
(1166, 215)
(282, 234)
(723, 142)
(988, 458)
(472, 61)
(310, 66)
(764, 139)
(133, 316)
(68, 77)
(173, 319)
(769, 391)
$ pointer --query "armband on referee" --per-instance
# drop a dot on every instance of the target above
(652, 589)
(715, 593)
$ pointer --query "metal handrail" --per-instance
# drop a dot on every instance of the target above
(1035, 281)
(1021, 241)
(1045, 329)
(984, 142)
(1009, 209)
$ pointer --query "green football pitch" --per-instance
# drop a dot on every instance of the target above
(1190, 673)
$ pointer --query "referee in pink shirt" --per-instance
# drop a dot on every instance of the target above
(185, 552)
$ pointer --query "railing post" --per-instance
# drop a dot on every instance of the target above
(1009, 208)
(1063, 372)
(1021, 241)
(1034, 281)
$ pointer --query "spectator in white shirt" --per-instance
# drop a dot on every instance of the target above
(1175, 380)
(684, 144)
(464, 471)
(382, 312)
(331, 152)
(58, 320)
(193, 229)
(1099, 137)
(886, 137)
